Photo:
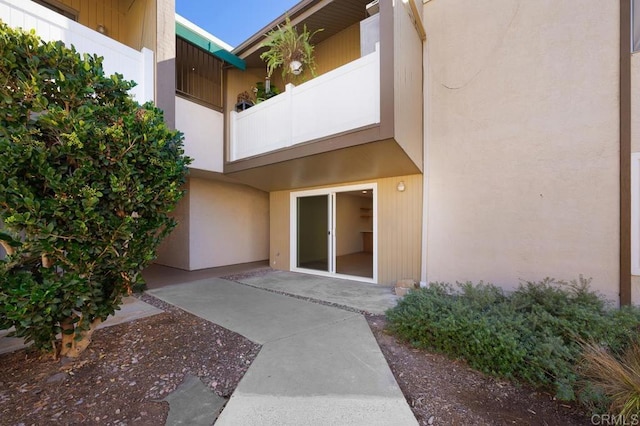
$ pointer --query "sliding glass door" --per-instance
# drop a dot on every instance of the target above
(333, 232)
(314, 232)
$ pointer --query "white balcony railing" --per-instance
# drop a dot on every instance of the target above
(51, 26)
(203, 130)
(341, 100)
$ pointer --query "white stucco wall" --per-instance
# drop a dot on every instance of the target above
(522, 133)
(203, 130)
(228, 224)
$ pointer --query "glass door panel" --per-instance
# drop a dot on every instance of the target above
(313, 234)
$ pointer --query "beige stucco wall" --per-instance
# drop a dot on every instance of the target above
(228, 224)
(408, 77)
(399, 228)
(522, 140)
(174, 249)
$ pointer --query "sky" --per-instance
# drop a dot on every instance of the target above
(232, 21)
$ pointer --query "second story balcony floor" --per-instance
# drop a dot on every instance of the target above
(123, 33)
(359, 118)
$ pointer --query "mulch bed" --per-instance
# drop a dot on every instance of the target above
(441, 391)
(124, 375)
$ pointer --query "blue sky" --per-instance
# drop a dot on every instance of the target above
(232, 21)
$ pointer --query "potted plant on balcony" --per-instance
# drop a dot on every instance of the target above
(289, 50)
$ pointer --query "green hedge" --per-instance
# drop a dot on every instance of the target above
(532, 335)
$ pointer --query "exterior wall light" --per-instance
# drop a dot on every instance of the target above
(401, 186)
(102, 29)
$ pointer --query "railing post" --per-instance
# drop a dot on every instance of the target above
(233, 143)
(148, 83)
(288, 90)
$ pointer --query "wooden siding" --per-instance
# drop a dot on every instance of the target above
(338, 50)
(279, 230)
(92, 13)
(332, 53)
(399, 228)
(139, 24)
(131, 22)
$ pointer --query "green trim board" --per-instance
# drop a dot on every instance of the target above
(209, 46)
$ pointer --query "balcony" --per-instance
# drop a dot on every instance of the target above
(341, 100)
(51, 26)
(360, 118)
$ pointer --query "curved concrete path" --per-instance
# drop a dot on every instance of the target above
(318, 365)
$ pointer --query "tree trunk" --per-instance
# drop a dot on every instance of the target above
(81, 339)
(68, 333)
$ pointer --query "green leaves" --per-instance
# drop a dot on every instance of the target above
(89, 177)
(532, 335)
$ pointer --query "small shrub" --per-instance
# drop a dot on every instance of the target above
(531, 335)
(616, 378)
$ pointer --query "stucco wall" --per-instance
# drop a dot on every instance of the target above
(522, 139)
(228, 224)
(174, 249)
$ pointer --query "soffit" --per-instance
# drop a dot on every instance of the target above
(362, 162)
(333, 16)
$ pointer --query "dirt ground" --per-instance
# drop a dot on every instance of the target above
(130, 368)
(124, 375)
(441, 391)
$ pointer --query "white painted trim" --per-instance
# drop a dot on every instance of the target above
(635, 213)
(204, 33)
(331, 192)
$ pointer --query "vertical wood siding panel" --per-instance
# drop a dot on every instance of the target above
(399, 228)
(338, 50)
(279, 230)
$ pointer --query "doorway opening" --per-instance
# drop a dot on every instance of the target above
(333, 232)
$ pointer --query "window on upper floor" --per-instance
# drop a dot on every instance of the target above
(635, 25)
(59, 7)
(198, 74)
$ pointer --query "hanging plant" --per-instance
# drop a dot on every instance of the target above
(289, 50)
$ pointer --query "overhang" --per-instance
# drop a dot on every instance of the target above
(332, 16)
(208, 45)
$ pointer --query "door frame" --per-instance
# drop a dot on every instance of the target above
(331, 192)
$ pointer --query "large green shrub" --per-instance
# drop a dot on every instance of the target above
(88, 179)
(532, 335)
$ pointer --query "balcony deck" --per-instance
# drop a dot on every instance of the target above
(51, 26)
(343, 100)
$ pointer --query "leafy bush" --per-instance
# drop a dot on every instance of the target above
(532, 335)
(88, 179)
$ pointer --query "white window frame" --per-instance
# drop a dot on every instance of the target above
(635, 213)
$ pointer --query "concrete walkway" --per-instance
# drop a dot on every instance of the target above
(367, 297)
(319, 365)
